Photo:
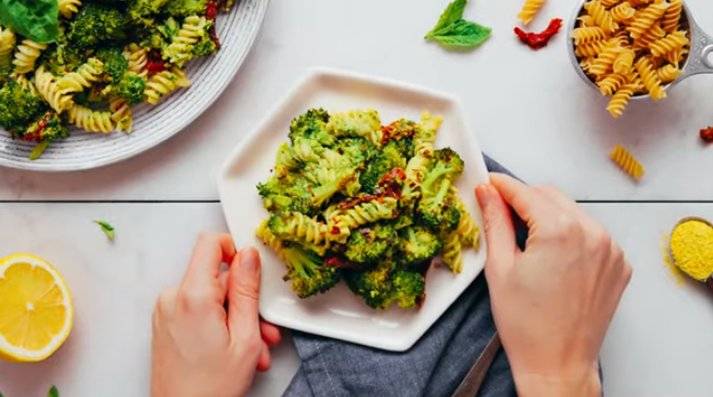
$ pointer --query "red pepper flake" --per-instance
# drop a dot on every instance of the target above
(539, 40)
(390, 183)
(335, 230)
(334, 261)
(707, 135)
(155, 63)
(211, 10)
(36, 135)
(395, 130)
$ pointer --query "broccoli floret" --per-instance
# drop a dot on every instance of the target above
(285, 194)
(367, 245)
(184, 8)
(374, 286)
(307, 272)
(418, 245)
(115, 64)
(437, 208)
(97, 24)
(142, 11)
(311, 125)
(407, 288)
(355, 123)
(47, 128)
(388, 158)
(205, 46)
(358, 150)
(398, 130)
(131, 88)
(19, 108)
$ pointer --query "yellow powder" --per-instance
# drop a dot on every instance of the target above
(678, 276)
(692, 248)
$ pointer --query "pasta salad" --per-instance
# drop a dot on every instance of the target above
(108, 56)
(351, 199)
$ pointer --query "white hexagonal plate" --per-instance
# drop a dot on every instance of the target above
(339, 313)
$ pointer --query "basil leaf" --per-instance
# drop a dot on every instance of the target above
(462, 35)
(37, 20)
(451, 14)
(53, 392)
(37, 152)
(107, 229)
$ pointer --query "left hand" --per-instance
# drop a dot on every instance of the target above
(208, 339)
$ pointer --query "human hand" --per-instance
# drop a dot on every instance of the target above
(553, 302)
(208, 339)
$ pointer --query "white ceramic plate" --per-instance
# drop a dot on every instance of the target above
(339, 313)
(152, 125)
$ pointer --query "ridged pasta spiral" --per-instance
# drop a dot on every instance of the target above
(637, 3)
(620, 99)
(90, 120)
(624, 62)
(415, 171)
(676, 57)
(645, 40)
(342, 222)
(7, 45)
(28, 85)
(86, 75)
(672, 42)
(69, 7)
(529, 10)
(623, 12)
(646, 18)
(180, 50)
(672, 16)
(270, 239)
(467, 230)
(668, 73)
(602, 17)
(48, 88)
(627, 162)
(604, 62)
(426, 130)
(165, 83)
(610, 84)
(137, 57)
(452, 252)
(650, 79)
(26, 55)
(303, 229)
(121, 114)
(586, 21)
(610, 3)
(588, 50)
(588, 35)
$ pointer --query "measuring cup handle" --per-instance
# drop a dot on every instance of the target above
(701, 52)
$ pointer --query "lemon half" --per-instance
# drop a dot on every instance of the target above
(35, 308)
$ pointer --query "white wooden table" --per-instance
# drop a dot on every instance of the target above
(530, 112)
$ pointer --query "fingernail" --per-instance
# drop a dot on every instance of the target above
(249, 259)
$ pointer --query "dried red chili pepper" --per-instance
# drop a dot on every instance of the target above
(155, 63)
(707, 134)
(539, 40)
(211, 10)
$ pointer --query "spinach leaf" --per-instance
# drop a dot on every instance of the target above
(37, 20)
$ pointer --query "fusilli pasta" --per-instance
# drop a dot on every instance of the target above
(69, 7)
(602, 17)
(646, 18)
(303, 229)
(82, 78)
(164, 83)
(529, 10)
(672, 17)
(668, 73)
(650, 79)
(137, 57)
(623, 12)
(342, 222)
(452, 252)
(627, 162)
(47, 86)
(588, 35)
(121, 114)
(26, 54)
(180, 50)
(426, 130)
(611, 83)
(620, 99)
(7, 45)
(91, 120)
(672, 42)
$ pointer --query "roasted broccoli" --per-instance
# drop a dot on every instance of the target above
(184, 8)
(355, 123)
(418, 245)
(98, 24)
(286, 194)
(115, 64)
(131, 88)
(374, 286)
(19, 108)
(307, 272)
(407, 288)
(47, 128)
(367, 245)
(142, 11)
(437, 209)
(311, 125)
(358, 150)
(390, 157)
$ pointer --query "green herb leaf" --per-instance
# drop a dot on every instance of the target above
(451, 14)
(107, 229)
(37, 152)
(35, 19)
(53, 392)
(462, 35)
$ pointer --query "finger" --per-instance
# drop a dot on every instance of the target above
(223, 281)
(525, 200)
(499, 230)
(270, 333)
(559, 198)
(243, 292)
(210, 251)
(265, 360)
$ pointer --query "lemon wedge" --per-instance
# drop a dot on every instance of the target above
(35, 308)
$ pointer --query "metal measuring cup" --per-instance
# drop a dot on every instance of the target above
(698, 61)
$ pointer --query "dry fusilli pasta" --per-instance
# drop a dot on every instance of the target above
(627, 162)
(529, 10)
(646, 18)
(668, 73)
(602, 17)
(588, 35)
(672, 17)
(620, 99)
(672, 42)
(650, 79)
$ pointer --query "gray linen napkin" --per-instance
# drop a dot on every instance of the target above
(434, 366)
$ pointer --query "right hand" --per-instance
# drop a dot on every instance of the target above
(552, 303)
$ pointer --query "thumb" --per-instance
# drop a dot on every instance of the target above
(499, 231)
(243, 292)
